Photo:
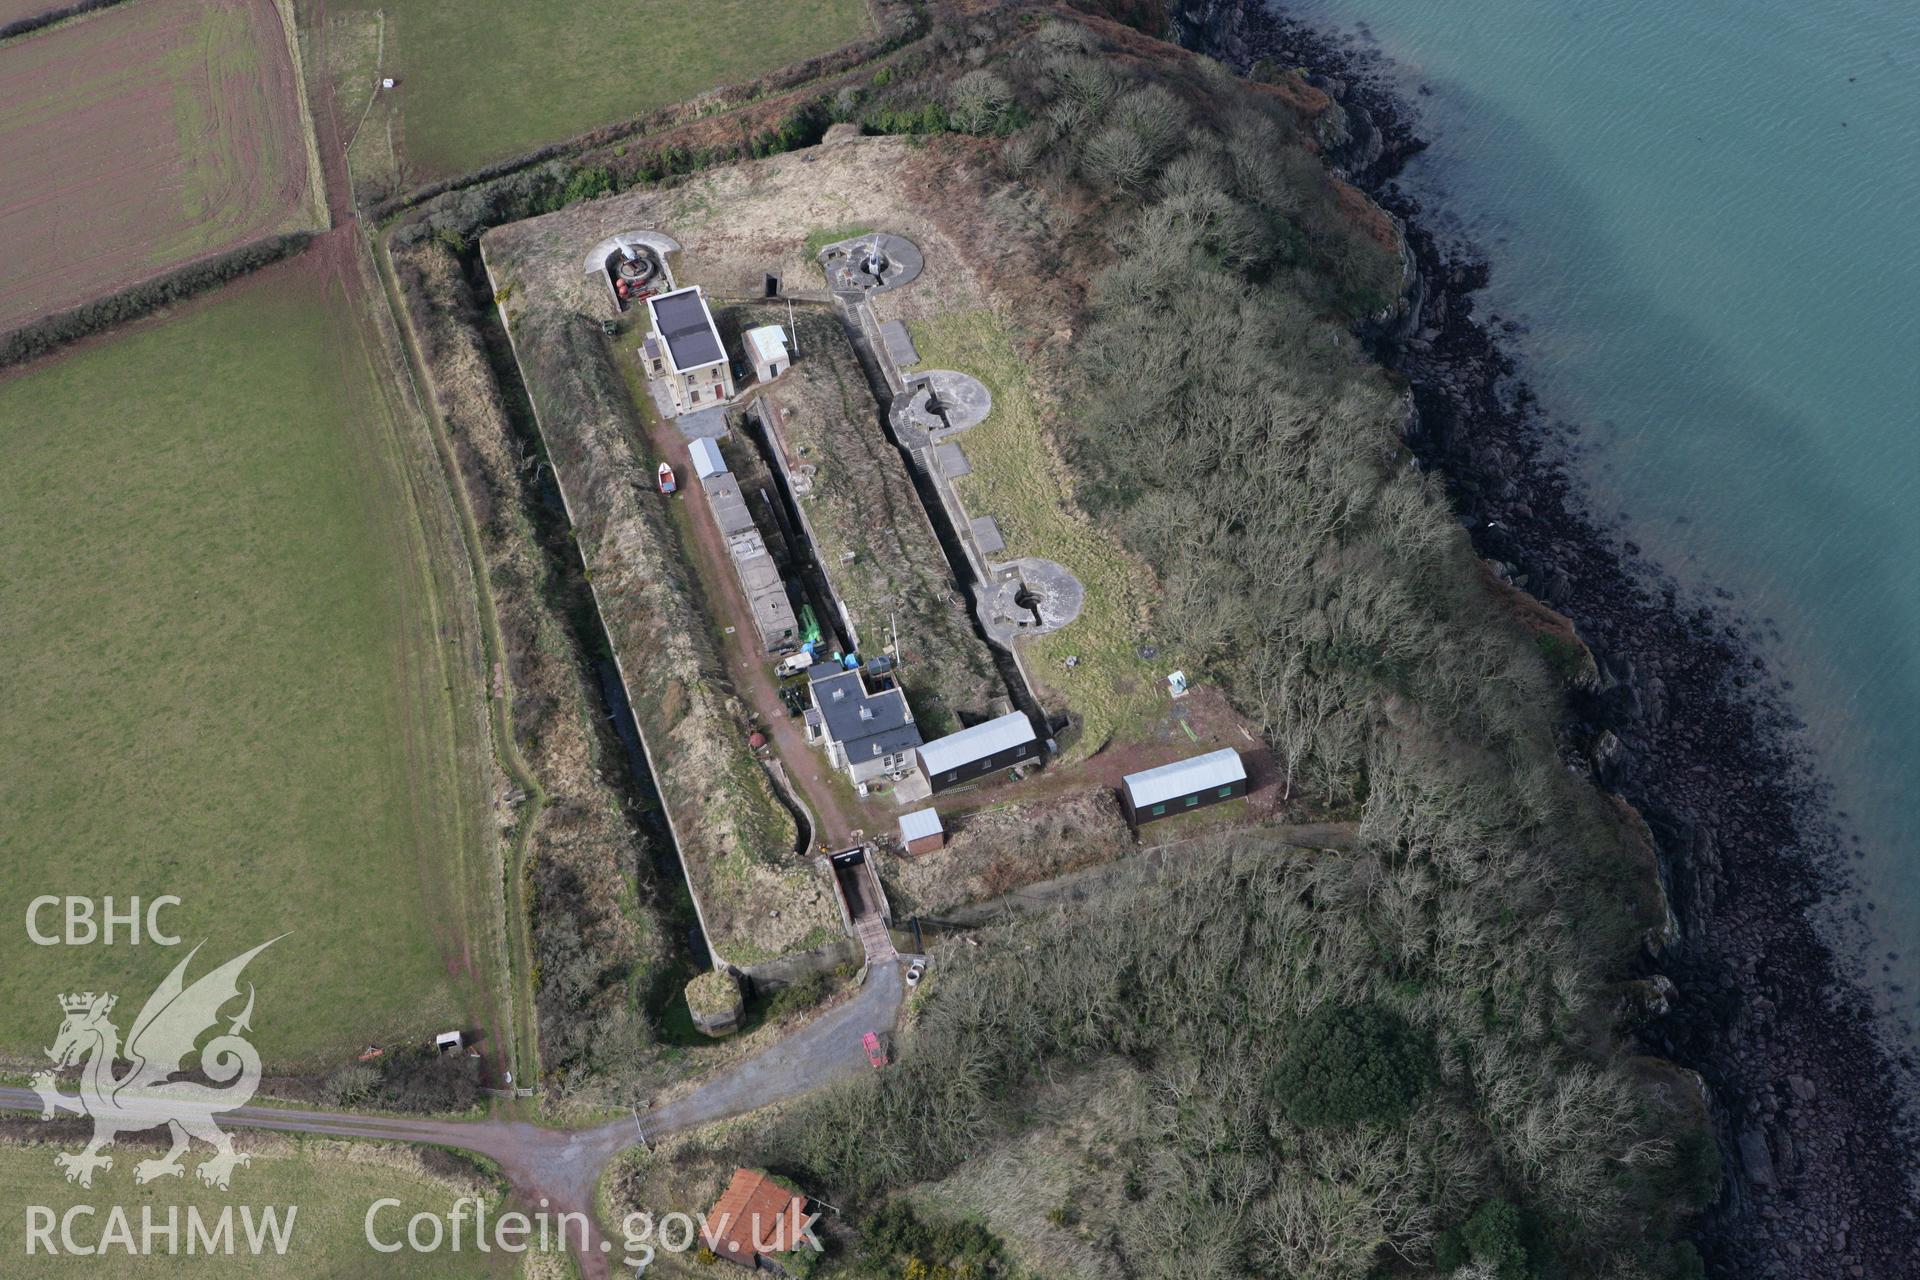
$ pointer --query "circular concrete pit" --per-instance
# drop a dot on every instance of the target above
(1030, 597)
(941, 402)
(873, 263)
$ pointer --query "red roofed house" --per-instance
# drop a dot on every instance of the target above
(756, 1216)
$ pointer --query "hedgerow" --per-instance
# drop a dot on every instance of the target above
(38, 337)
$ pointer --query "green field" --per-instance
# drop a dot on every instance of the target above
(492, 78)
(225, 679)
(330, 1185)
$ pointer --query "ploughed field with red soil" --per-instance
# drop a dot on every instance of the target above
(139, 138)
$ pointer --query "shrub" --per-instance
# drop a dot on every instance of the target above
(585, 184)
(1088, 82)
(352, 1085)
(1687, 1263)
(929, 117)
(1117, 158)
(1156, 117)
(1695, 1175)
(799, 996)
(1352, 1064)
(424, 1080)
(1565, 656)
(978, 101)
(1494, 1237)
(921, 1247)
(1023, 151)
(1192, 174)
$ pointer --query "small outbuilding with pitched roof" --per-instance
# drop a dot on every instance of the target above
(754, 1218)
(921, 832)
(707, 462)
(767, 346)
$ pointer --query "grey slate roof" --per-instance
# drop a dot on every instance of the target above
(683, 320)
(943, 755)
(1185, 777)
(894, 742)
(855, 718)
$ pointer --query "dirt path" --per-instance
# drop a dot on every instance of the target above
(563, 1166)
(806, 767)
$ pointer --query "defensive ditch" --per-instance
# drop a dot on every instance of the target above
(580, 615)
(883, 393)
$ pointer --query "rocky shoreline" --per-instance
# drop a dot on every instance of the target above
(1686, 724)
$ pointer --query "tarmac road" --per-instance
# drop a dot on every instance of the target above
(563, 1166)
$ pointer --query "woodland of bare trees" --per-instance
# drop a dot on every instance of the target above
(1228, 426)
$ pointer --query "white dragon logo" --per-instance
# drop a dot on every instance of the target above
(147, 1096)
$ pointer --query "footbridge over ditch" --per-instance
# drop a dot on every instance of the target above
(863, 902)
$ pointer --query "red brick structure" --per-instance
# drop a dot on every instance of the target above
(755, 1216)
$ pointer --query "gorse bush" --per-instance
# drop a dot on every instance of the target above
(1497, 1243)
(929, 117)
(585, 184)
(897, 1242)
(1351, 1064)
(1493, 1238)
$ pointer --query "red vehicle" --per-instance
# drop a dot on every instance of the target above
(875, 1054)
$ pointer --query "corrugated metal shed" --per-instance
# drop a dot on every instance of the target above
(943, 755)
(1185, 777)
(920, 823)
(707, 461)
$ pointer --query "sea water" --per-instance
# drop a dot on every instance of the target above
(1707, 217)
